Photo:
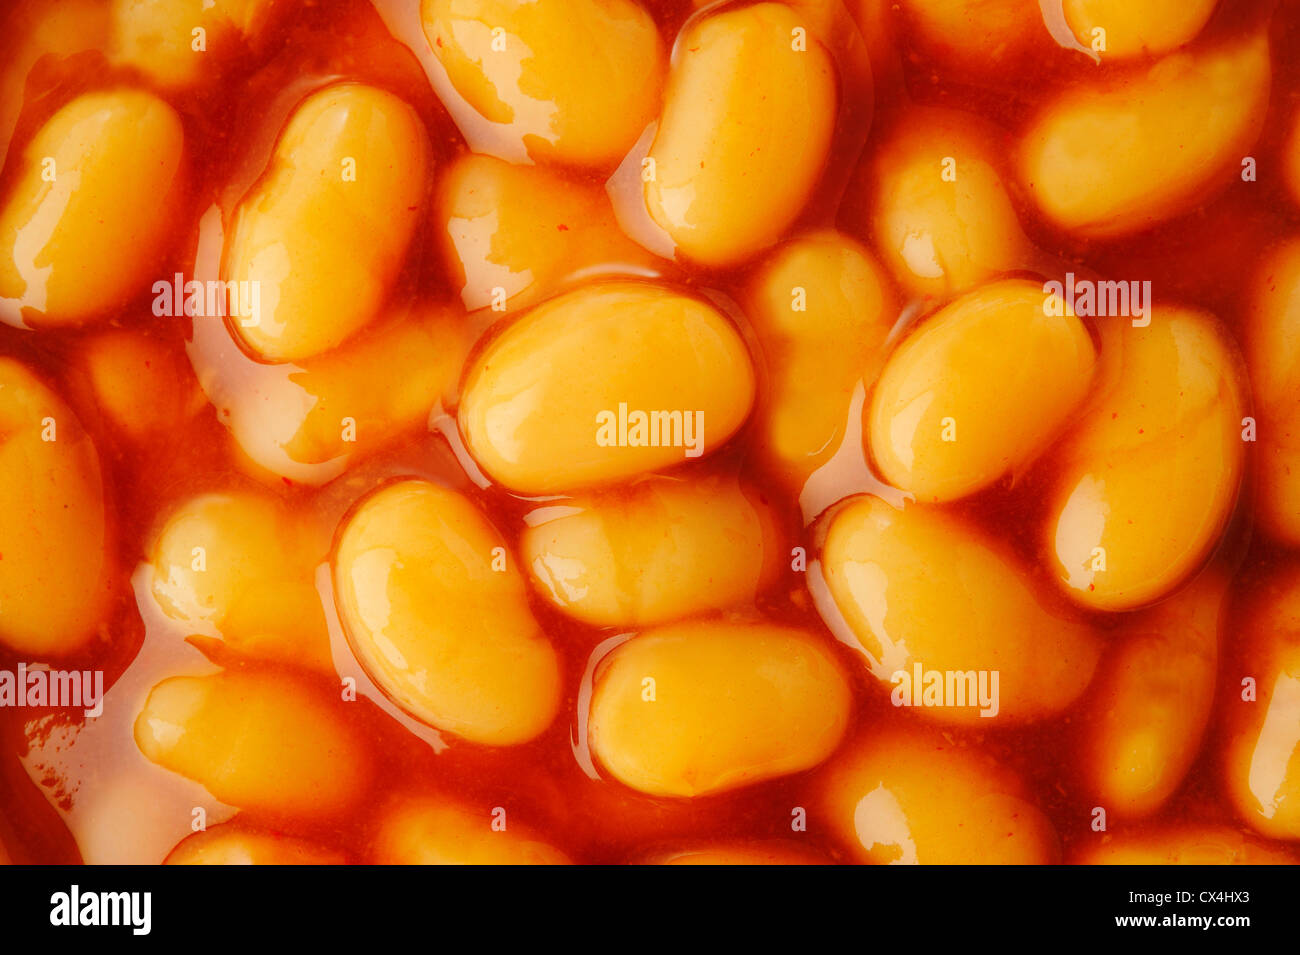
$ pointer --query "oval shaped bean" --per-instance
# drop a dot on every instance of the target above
(922, 591)
(603, 383)
(1137, 29)
(1262, 757)
(967, 32)
(1126, 155)
(324, 232)
(746, 127)
(1155, 690)
(573, 81)
(1272, 345)
(437, 612)
(822, 307)
(236, 563)
(91, 208)
(978, 391)
(660, 549)
(510, 235)
(939, 211)
(1181, 845)
(140, 384)
(1150, 476)
(263, 741)
(329, 406)
(912, 797)
(435, 831)
(233, 843)
(157, 37)
(707, 706)
(56, 566)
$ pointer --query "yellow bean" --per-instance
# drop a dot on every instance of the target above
(509, 235)
(437, 612)
(940, 214)
(1262, 764)
(574, 81)
(263, 741)
(1128, 154)
(435, 831)
(604, 383)
(1272, 344)
(324, 233)
(1136, 29)
(919, 589)
(141, 385)
(236, 844)
(1150, 475)
(91, 207)
(704, 707)
(162, 38)
(55, 564)
(822, 308)
(747, 123)
(969, 31)
(1182, 845)
(57, 28)
(658, 550)
(958, 406)
(1155, 690)
(912, 797)
(236, 563)
(333, 408)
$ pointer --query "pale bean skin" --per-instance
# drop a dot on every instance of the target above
(817, 356)
(436, 610)
(1153, 696)
(1272, 345)
(744, 135)
(235, 844)
(261, 740)
(73, 248)
(940, 213)
(1138, 29)
(57, 567)
(523, 230)
(238, 563)
(1261, 758)
(323, 240)
(905, 796)
(570, 81)
(1185, 845)
(532, 400)
(785, 707)
(960, 404)
(918, 585)
(1149, 476)
(437, 831)
(1128, 155)
(655, 550)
